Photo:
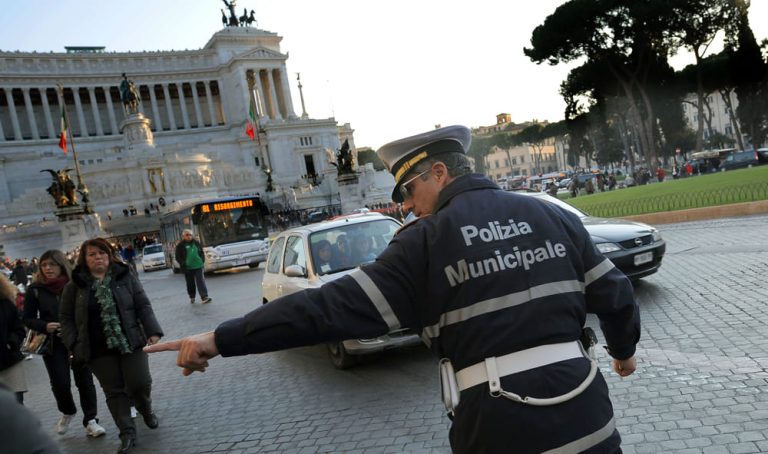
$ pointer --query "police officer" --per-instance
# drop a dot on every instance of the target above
(498, 284)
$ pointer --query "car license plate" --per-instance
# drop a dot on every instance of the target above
(645, 257)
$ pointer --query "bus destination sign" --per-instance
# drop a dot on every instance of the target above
(225, 206)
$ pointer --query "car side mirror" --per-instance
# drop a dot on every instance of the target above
(295, 271)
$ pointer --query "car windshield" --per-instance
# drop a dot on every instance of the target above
(153, 249)
(350, 245)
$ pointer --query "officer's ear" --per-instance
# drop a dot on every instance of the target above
(439, 171)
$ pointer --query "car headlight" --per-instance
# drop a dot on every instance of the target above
(211, 255)
(656, 235)
(607, 247)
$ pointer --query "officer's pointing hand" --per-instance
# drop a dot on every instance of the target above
(194, 351)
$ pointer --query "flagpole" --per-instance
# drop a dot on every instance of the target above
(81, 188)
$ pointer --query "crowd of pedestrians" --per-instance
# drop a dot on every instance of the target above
(97, 319)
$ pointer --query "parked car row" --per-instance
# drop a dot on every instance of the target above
(743, 159)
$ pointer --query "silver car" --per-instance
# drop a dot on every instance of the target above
(312, 255)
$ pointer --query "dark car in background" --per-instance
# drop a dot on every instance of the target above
(740, 160)
(635, 248)
(762, 155)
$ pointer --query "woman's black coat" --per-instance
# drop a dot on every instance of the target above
(134, 309)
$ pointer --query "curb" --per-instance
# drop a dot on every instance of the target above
(700, 214)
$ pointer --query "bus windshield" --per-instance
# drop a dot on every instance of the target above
(230, 226)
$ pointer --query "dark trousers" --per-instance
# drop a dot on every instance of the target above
(195, 277)
(58, 365)
(126, 381)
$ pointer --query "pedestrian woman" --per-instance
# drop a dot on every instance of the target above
(12, 334)
(41, 313)
(106, 319)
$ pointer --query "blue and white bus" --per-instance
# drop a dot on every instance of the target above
(232, 231)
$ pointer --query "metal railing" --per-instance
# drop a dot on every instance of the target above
(681, 201)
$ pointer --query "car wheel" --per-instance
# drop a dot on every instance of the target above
(340, 358)
(254, 265)
(264, 301)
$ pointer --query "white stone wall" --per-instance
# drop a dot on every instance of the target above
(199, 142)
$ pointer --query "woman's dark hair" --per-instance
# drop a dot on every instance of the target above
(99, 243)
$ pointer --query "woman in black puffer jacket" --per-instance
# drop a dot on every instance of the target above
(41, 313)
(106, 319)
(11, 336)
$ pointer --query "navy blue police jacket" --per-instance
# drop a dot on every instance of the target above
(489, 273)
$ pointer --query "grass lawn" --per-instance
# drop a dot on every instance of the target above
(721, 188)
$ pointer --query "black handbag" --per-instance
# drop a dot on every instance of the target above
(36, 343)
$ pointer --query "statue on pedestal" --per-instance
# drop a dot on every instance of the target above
(129, 94)
(344, 160)
(62, 189)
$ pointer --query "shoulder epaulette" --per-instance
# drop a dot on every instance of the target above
(405, 226)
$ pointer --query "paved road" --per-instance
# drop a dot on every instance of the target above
(702, 383)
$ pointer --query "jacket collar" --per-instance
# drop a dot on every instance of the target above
(464, 183)
(80, 274)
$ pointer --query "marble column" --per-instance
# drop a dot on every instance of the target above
(5, 193)
(111, 111)
(169, 107)
(155, 110)
(183, 103)
(287, 95)
(95, 110)
(220, 105)
(80, 115)
(52, 132)
(209, 100)
(14, 115)
(260, 103)
(30, 114)
(273, 93)
(2, 133)
(196, 102)
(145, 181)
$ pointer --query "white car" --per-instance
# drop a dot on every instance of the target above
(312, 255)
(153, 258)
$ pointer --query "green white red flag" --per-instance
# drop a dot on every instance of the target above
(250, 129)
(63, 134)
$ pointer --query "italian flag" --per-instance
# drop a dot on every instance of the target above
(63, 134)
(249, 128)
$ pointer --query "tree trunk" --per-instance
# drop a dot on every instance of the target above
(645, 136)
(726, 95)
(700, 98)
(708, 119)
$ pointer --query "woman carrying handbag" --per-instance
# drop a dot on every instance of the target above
(41, 314)
(12, 334)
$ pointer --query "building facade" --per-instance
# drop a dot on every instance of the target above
(197, 105)
(517, 161)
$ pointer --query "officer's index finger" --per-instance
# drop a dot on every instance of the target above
(169, 346)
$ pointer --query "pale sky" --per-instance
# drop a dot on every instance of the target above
(391, 69)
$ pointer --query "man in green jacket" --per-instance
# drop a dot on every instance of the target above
(191, 258)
